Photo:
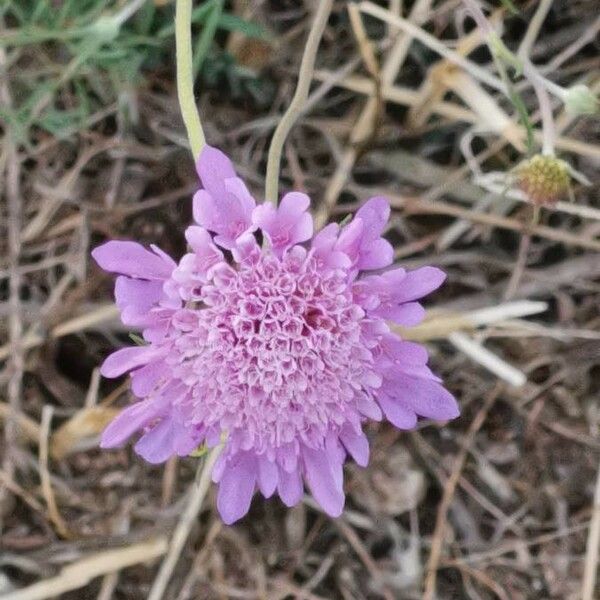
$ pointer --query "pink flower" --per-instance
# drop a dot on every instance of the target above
(284, 350)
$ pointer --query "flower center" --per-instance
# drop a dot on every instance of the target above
(275, 351)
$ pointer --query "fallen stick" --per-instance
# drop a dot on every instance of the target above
(81, 572)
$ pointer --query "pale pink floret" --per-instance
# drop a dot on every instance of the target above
(286, 225)
(225, 205)
(283, 350)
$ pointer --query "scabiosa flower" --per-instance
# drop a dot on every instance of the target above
(279, 350)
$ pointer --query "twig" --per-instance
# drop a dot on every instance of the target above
(437, 543)
(27, 426)
(102, 314)
(356, 543)
(534, 28)
(443, 325)
(298, 102)
(487, 359)
(399, 95)
(519, 268)
(182, 531)
(451, 110)
(418, 206)
(589, 35)
(433, 43)
(593, 547)
(111, 580)
(365, 124)
(185, 76)
(15, 325)
(80, 573)
(364, 44)
(53, 512)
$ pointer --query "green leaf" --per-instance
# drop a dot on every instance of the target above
(207, 36)
(231, 22)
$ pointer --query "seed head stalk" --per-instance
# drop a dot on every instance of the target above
(298, 102)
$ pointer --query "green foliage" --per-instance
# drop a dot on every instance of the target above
(82, 54)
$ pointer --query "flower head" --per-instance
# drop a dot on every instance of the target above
(544, 178)
(283, 349)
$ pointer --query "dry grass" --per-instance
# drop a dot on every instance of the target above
(498, 504)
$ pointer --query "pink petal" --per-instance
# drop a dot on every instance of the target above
(375, 255)
(290, 487)
(425, 396)
(404, 353)
(245, 203)
(246, 250)
(146, 378)
(205, 211)
(130, 258)
(419, 283)
(293, 204)
(206, 253)
(229, 214)
(264, 216)
(236, 487)
(157, 444)
(323, 479)
(287, 224)
(374, 214)
(129, 358)
(213, 168)
(323, 245)
(187, 439)
(135, 298)
(267, 476)
(368, 407)
(397, 414)
(303, 229)
(128, 421)
(357, 445)
(350, 240)
(407, 315)
(361, 240)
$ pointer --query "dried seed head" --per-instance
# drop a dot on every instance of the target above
(545, 179)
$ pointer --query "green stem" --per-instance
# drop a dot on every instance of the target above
(185, 77)
(298, 102)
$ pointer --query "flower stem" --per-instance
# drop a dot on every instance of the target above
(548, 128)
(185, 78)
(298, 102)
(534, 28)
